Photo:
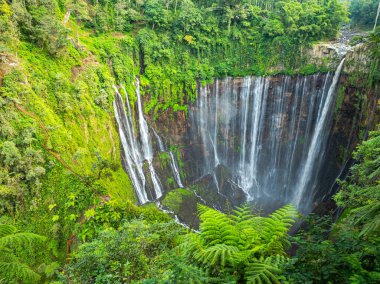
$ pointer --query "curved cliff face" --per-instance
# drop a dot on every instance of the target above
(213, 155)
(269, 140)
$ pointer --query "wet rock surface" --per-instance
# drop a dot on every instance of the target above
(218, 188)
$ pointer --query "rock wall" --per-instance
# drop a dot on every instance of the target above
(355, 113)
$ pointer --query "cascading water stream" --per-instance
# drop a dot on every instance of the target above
(138, 150)
(146, 144)
(269, 133)
(264, 136)
(173, 162)
(317, 139)
(131, 153)
(175, 170)
(161, 146)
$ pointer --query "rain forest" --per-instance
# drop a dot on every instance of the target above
(190, 141)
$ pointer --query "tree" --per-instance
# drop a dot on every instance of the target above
(347, 251)
(363, 12)
(133, 252)
(8, 29)
(38, 22)
(329, 253)
(12, 269)
(156, 14)
(360, 194)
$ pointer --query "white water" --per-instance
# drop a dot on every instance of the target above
(137, 149)
(134, 152)
(132, 157)
(161, 146)
(175, 170)
(173, 162)
(146, 143)
(315, 145)
(377, 17)
(268, 132)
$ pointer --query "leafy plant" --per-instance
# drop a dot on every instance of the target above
(247, 246)
(360, 193)
(11, 267)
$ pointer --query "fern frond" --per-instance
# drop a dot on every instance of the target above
(216, 227)
(7, 230)
(265, 270)
(18, 239)
(17, 270)
(219, 254)
(192, 243)
(276, 226)
(247, 224)
(276, 260)
(11, 269)
(242, 213)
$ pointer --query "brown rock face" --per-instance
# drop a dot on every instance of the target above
(355, 112)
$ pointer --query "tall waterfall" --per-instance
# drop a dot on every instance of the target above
(132, 158)
(264, 136)
(320, 134)
(138, 149)
(146, 143)
(173, 162)
(268, 132)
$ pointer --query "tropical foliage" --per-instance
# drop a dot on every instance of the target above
(363, 12)
(360, 194)
(60, 169)
(12, 268)
(348, 251)
(242, 245)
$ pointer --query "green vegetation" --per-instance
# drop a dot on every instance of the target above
(348, 251)
(228, 249)
(129, 253)
(363, 13)
(11, 266)
(241, 247)
(177, 43)
(175, 198)
(60, 170)
(361, 192)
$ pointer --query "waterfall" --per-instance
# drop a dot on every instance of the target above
(161, 146)
(175, 170)
(318, 137)
(173, 162)
(137, 149)
(269, 133)
(264, 136)
(146, 143)
(377, 17)
(132, 160)
(136, 152)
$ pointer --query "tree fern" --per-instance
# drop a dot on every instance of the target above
(216, 227)
(247, 224)
(276, 227)
(11, 268)
(240, 242)
(265, 270)
(219, 254)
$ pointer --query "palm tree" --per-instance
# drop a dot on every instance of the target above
(12, 269)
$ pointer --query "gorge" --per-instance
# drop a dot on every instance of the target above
(189, 141)
(269, 135)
